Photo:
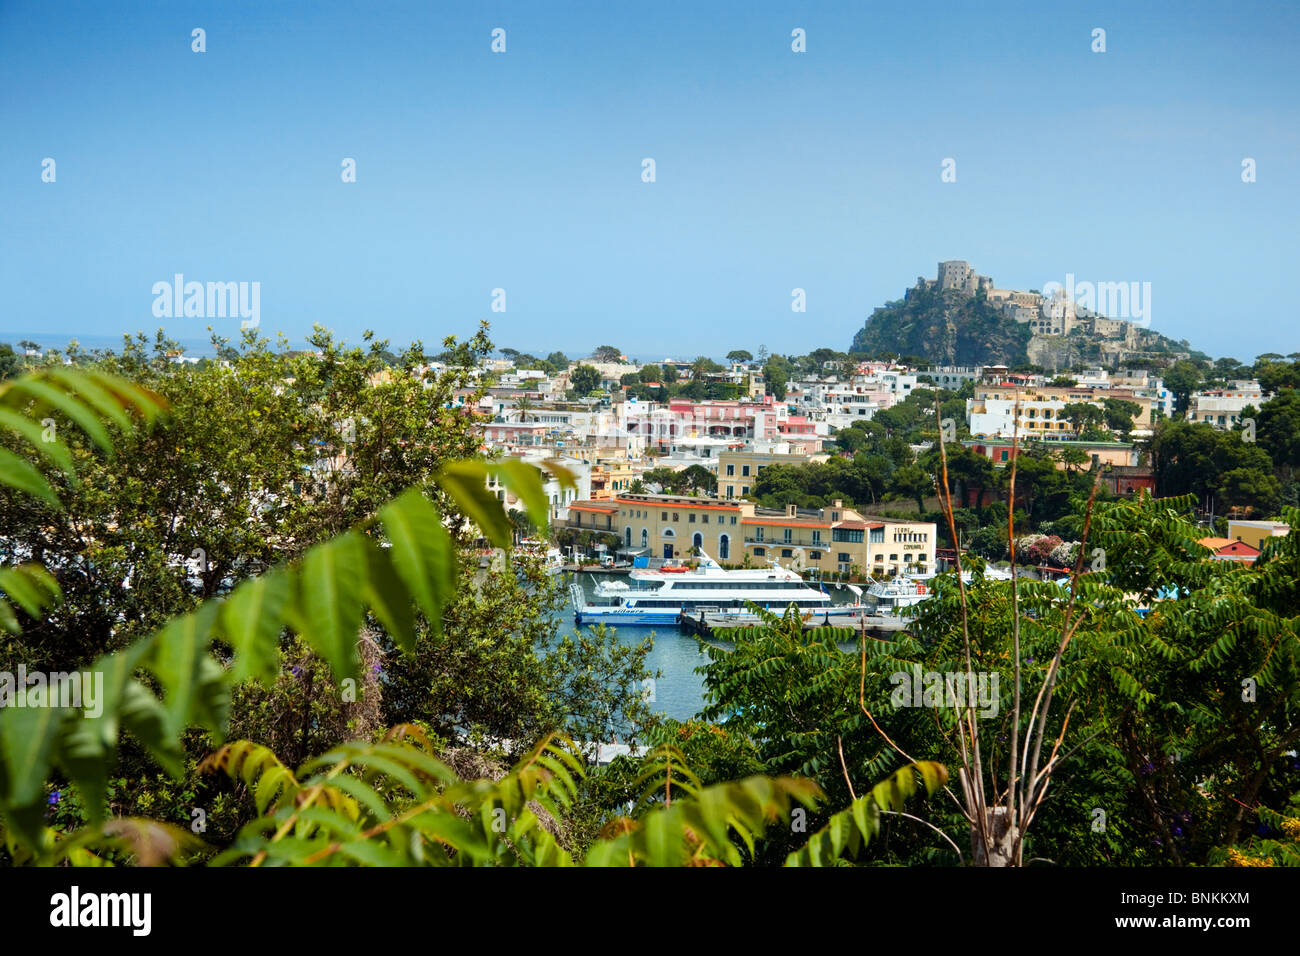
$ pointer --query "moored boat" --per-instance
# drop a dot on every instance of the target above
(660, 596)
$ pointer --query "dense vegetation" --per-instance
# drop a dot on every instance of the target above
(282, 552)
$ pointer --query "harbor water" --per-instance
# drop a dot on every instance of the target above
(679, 690)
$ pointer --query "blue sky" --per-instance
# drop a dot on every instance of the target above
(522, 170)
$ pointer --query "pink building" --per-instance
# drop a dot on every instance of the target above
(801, 432)
(760, 418)
(514, 433)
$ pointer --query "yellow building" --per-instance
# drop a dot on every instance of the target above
(1040, 408)
(1256, 533)
(831, 540)
(667, 526)
(613, 476)
(738, 470)
(839, 540)
(593, 516)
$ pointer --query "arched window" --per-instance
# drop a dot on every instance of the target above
(697, 540)
(627, 537)
(724, 547)
(668, 533)
(645, 538)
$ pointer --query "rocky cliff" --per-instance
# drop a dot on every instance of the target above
(945, 328)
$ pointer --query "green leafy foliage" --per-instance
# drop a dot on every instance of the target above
(33, 409)
(848, 831)
(322, 596)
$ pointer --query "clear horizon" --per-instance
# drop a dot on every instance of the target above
(522, 170)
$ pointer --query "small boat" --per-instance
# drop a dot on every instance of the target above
(552, 559)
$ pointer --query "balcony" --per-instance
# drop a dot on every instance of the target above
(778, 543)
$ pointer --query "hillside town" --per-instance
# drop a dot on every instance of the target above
(604, 437)
(663, 475)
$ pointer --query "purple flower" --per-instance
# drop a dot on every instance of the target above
(54, 797)
(296, 671)
(375, 668)
(1177, 830)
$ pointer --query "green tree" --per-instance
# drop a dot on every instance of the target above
(1119, 415)
(1196, 459)
(585, 379)
(696, 479)
(912, 481)
(1278, 430)
(1073, 458)
(776, 377)
(669, 479)
(10, 364)
(1250, 488)
(974, 472)
(704, 366)
(1182, 378)
(1083, 415)
(1275, 376)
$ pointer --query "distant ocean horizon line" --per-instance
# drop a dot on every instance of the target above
(193, 346)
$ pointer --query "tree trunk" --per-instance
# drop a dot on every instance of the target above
(1003, 837)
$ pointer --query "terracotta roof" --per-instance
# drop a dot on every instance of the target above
(593, 506)
(669, 505)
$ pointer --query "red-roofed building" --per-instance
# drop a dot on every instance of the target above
(1225, 549)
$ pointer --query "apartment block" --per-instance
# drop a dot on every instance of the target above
(1223, 407)
(990, 414)
(738, 471)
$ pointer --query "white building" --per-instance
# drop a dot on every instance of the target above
(995, 418)
(558, 497)
(1222, 407)
(899, 384)
(952, 377)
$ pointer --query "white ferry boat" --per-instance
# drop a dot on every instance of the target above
(906, 590)
(661, 595)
